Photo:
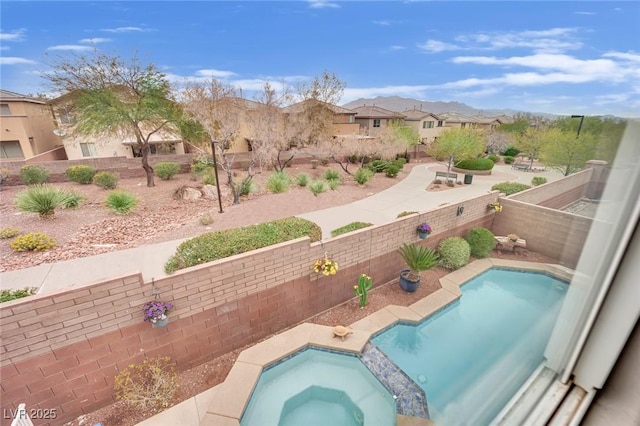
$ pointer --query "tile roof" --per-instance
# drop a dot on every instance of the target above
(372, 111)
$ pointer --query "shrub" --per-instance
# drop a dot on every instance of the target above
(330, 175)
(33, 175)
(42, 199)
(201, 164)
(511, 151)
(166, 170)
(495, 158)
(278, 182)
(209, 177)
(353, 226)
(538, 180)
(475, 164)
(206, 219)
(7, 295)
(391, 171)
(508, 159)
(149, 385)
(33, 241)
(106, 180)
(121, 202)
(450, 183)
(80, 174)
(317, 187)
(334, 184)
(509, 187)
(378, 166)
(324, 161)
(4, 175)
(74, 200)
(437, 182)
(405, 213)
(480, 241)
(302, 179)
(221, 244)
(399, 163)
(8, 232)
(454, 252)
(362, 175)
(246, 186)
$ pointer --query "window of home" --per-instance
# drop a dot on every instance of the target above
(427, 124)
(376, 122)
(88, 149)
(463, 125)
(351, 119)
(4, 109)
(11, 149)
(493, 126)
(440, 123)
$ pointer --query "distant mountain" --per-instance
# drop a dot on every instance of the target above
(399, 104)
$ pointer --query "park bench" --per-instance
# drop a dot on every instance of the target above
(446, 175)
(521, 166)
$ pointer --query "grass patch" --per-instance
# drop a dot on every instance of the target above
(353, 226)
(509, 187)
(7, 295)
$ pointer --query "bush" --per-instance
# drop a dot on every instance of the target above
(33, 175)
(201, 164)
(74, 200)
(8, 232)
(217, 245)
(353, 226)
(317, 187)
(378, 166)
(81, 174)
(246, 186)
(405, 213)
(475, 164)
(538, 180)
(508, 159)
(206, 219)
(209, 177)
(334, 184)
(166, 170)
(511, 151)
(391, 171)
(509, 187)
(43, 199)
(149, 385)
(495, 158)
(324, 161)
(33, 241)
(399, 163)
(454, 252)
(278, 182)
(330, 175)
(7, 295)
(437, 182)
(121, 202)
(362, 175)
(106, 180)
(480, 241)
(4, 175)
(302, 179)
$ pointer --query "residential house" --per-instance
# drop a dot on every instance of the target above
(428, 125)
(27, 128)
(455, 120)
(372, 118)
(343, 120)
(490, 123)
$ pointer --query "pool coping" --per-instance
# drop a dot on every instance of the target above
(224, 404)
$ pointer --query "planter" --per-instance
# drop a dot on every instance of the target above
(161, 323)
(423, 235)
(314, 164)
(408, 285)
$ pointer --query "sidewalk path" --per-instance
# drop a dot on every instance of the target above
(407, 195)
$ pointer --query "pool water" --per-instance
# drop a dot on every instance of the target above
(471, 357)
(317, 387)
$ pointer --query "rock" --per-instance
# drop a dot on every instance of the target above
(210, 192)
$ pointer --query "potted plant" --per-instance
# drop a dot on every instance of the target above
(423, 230)
(513, 237)
(325, 266)
(157, 313)
(418, 259)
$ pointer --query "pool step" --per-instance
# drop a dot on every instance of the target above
(410, 398)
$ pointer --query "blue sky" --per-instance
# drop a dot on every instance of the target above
(555, 57)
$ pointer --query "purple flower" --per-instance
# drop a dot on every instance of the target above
(154, 311)
(424, 227)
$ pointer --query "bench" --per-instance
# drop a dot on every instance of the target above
(453, 176)
(525, 167)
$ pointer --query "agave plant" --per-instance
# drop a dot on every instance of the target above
(418, 259)
(43, 199)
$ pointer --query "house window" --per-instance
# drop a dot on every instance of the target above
(376, 122)
(4, 109)
(11, 149)
(351, 119)
(463, 125)
(427, 124)
(440, 123)
(493, 126)
(88, 149)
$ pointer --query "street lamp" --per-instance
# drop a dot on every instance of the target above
(215, 169)
(581, 117)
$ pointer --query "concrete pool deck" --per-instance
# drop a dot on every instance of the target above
(224, 404)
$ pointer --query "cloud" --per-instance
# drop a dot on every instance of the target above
(584, 13)
(435, 46)
(73, 47)
(396, 47)
(127, 30)
(13, 60)
(322, 4)
(13, 36)
(382, 23)
(218, 74)
(5, 48)
(95, 40)
(613, 98)
(633, 57)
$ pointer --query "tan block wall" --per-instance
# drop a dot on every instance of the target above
(558, 194)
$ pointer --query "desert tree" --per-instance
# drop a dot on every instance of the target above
(497, 140)
(607, 132)
(457, 144)
(114, 97)
(566, 152)
(533, 140)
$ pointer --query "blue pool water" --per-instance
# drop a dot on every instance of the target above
(316, 387)
(471, 357)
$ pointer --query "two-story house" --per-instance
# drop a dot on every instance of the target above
(428, 125)
(372, 119)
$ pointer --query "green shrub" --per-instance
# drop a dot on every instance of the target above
(209, 177)
(8, 232)
(302, 179)
(74, 200)
(508, 159)
(480, 241)
(391, 171)
(33, 241)
(399, 163)
(7, 295)
(495, 158)
(149, 385)
(201, 164)
(246, 186)
(106, 180)
(454, 252)
(278, 182)
(330, 175)
(334, 184)
(121, 202)
(509, 187)
(362, 175)
(538, 180)
(475, 164)
(405, 213)
(378, 166)
(221, 244)
(33, 174)
(353, 226)
(166, 170)
(43, 199)
(317, 187)
(81, 174)
(511, 151)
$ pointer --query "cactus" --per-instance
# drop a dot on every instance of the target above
(362, 289)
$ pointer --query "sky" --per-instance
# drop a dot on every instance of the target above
(556, 57)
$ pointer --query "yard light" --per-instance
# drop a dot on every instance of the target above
(215, 169)
(581, 117)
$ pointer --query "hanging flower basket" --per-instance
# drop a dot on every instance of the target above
(157, 313)
(497, 207)
(424, 230)
(325, 266)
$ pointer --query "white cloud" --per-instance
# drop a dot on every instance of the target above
(13, 60)
(126, 30)
(614, 98)
(95, 40)
(382, 23)
(73, 47)
(215, 74)
(584, 13)
(633, 57)
(322, 4)
(396, 47)
(435, 46)
(551, 40)
(13, 36)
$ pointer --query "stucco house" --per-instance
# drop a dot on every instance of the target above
(372, 118)
(428, 125)
(343, 120)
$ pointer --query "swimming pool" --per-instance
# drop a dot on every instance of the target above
(317, 387)
(471, 357)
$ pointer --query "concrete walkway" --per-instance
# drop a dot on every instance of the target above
(407, 195)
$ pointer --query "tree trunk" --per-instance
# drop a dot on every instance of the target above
(146, 166)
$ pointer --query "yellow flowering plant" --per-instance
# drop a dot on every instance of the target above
(325, 266)
(497, 207)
